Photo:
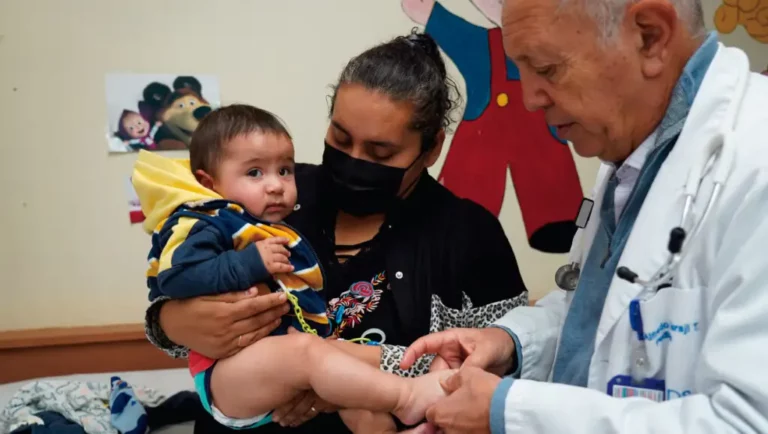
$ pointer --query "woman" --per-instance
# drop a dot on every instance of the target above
(402, 256)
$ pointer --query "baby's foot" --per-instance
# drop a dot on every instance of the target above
(420, 395)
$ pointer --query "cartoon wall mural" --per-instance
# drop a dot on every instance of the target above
(751, 14)
(497, 133)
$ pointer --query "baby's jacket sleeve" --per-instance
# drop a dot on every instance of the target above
(196, 260)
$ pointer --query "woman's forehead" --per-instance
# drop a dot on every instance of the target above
(371, 116)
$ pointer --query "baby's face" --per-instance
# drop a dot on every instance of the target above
(257, 170)
(136, 126)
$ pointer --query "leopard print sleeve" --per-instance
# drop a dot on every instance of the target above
(442, 318)
(469, 316)
(483, 316)
(155, 333)
(391, 355)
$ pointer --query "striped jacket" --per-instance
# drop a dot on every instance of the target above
(203, 244)
(209, 248)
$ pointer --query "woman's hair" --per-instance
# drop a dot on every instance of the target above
(407, 68)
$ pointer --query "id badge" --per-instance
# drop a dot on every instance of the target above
(623, 386)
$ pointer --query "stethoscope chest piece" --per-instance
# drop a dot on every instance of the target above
(567, 276)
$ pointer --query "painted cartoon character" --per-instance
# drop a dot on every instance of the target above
(498, 133)
(180, 110)
(752, 14)
(134, 130)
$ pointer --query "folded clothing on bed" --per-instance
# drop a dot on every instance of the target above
(52, 406)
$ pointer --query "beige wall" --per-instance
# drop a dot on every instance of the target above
(757, 52)
(67, 253)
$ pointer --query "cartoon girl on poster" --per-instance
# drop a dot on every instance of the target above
(498, 134)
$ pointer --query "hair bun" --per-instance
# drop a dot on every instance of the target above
(427, 44)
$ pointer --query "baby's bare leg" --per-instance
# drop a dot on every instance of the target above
(257, 379)
(273, 370)
(270, 372)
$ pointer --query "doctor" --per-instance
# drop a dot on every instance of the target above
(648, 336)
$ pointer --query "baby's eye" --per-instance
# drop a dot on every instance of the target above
(181, 105)
(191, 103)
(254, 173)
(286, 171)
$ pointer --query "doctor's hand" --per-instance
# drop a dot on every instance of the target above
(491, 349)
(467, 408)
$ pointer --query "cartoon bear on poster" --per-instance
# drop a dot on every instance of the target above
(498, 133)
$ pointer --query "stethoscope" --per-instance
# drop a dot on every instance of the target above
(716, 156)
(720, 153)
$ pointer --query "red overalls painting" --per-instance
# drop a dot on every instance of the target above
(498, 134)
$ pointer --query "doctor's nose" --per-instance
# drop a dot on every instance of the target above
(535, 96)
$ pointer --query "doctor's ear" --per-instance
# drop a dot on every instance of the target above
(653, 22)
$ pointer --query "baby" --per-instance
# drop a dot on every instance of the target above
(216, 224)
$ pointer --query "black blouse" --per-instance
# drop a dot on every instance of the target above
(360, 301)
(438, 262)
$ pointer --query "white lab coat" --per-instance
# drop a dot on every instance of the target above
(716, 370)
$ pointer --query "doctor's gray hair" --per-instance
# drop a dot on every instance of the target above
(608, 14)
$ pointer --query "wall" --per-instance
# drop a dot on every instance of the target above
(757, 51)
(68, 255)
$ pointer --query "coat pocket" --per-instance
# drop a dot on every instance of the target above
(673, 332)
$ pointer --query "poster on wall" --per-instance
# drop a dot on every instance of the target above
(498, 134)
(135, 215)
(750, 14)
(156, 112)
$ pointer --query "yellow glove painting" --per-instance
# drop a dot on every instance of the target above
(752, 14)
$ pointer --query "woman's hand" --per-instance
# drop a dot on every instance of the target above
(220, 326)
(302, 408)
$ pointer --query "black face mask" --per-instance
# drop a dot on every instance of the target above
(360, 187)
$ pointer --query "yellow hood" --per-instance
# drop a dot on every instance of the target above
(163, 184)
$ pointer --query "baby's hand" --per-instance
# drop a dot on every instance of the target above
(275, 255)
